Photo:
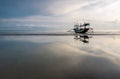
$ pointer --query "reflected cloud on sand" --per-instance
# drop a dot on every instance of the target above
(59, 57)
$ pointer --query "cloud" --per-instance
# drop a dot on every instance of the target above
(38, 21)
(65, 7)
(16, 9)
(75, 8)
(87, 9)
(57, 12)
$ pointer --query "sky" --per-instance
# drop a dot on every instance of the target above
(57, 13)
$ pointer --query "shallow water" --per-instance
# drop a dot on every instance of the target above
(59, 57)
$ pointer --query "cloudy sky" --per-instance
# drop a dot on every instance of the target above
(57, 12)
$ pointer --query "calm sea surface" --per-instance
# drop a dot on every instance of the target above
(59, 57)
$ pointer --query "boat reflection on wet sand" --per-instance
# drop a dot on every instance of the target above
(82, 38)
